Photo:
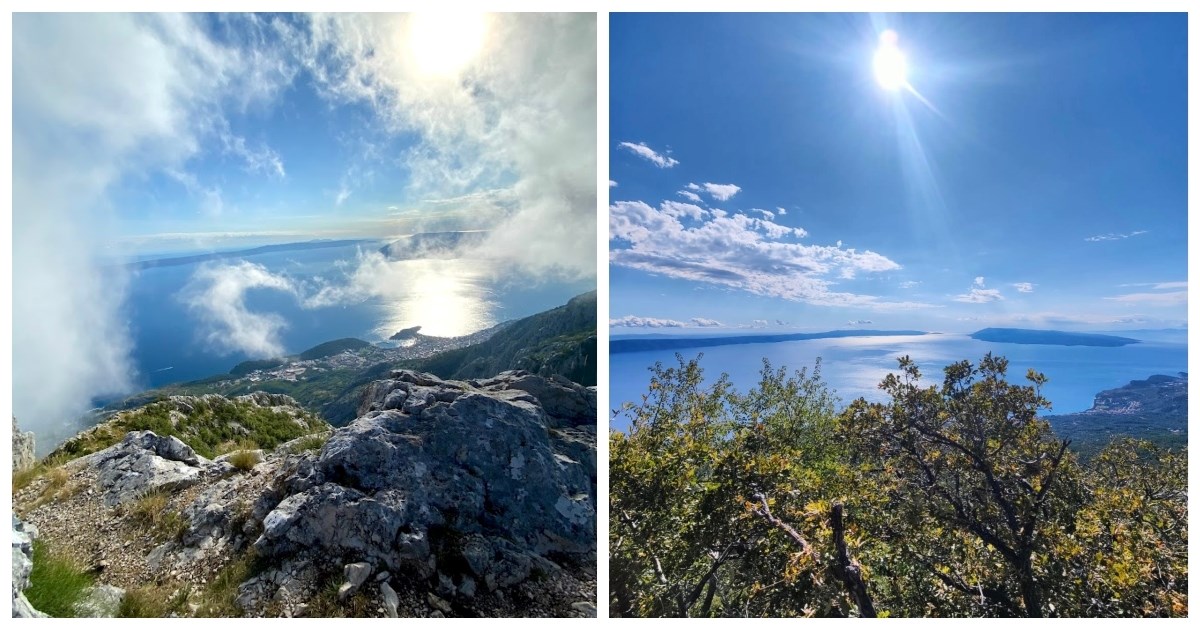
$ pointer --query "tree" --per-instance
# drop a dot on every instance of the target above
(971, 457)
(687, 483)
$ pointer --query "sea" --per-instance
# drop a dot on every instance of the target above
(854, 366)
(447, 297)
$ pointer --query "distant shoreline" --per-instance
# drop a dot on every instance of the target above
(618, 346)
(651, 343)
(174, 261)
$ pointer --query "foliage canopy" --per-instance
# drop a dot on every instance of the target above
(946, 499)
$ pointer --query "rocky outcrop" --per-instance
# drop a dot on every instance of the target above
(145, 462)
(22, 565)
(471, 486)
(443, 498)
(22, 449)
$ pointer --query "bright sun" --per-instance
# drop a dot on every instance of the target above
(442, 44)
(891, 68)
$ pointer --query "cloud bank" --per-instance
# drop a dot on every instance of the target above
(520, 114)
(739, 252)
(98, 98)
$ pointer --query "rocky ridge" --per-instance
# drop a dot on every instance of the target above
(443, 498)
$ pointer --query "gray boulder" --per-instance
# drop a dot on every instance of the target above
(100, 601)
(476, 480)
(145, 462)
(23, 535)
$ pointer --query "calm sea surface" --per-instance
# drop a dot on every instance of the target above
(445, 297)
(853, 367)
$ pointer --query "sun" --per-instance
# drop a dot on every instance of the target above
(891, 67)
(443, 44)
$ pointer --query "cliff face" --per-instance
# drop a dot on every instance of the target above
(443, 498)
(22, 449)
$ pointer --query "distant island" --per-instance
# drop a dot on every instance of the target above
(617, 346)
(406, 333)
(433, 245)
(241, 253)
(1050, 337)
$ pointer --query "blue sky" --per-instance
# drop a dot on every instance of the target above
(1032, 173)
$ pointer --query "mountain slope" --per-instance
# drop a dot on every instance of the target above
(559, 341)
(1154, 409)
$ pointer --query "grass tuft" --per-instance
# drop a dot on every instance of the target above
(219, 599)
(153, 512)
(244, 460)
(154, 601)
(57, 582)
(312, 442)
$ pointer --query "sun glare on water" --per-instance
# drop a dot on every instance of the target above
(891, 67)
(442, 44)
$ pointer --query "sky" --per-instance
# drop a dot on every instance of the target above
(157, 134)
(1020, 170)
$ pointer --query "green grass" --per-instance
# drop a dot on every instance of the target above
(244, 459)
(154, 601)
(325, 603)
(210, 426)
(219, 599)
(57, 582)
(153, 512)
(312, 443)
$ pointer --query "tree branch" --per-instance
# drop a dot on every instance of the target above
(846, 569)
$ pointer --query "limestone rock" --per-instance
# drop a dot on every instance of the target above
(23, 535)
(145, 462)
(391, 601)
(101, 601)
(448, 481)
(22, 448)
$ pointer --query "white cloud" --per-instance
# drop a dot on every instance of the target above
(520, 115)
(704, 322)
(759, 323)
(650, 155)
(633, 321)
(1168, 298)
(859, 322)
(1114, 236)
(689, 195)
(612, 184)
(909, 284)
(979, 281)
(721, 192)
(677, 210)
(766, 214)
(979, 296)
(1023, 287)
(1158, 285)
(741, 252)
(781, 210)
(693, 186)
(97, 99)
(216, 294)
